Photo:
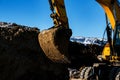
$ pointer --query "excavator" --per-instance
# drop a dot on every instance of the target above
(55, 40)
(109, 66)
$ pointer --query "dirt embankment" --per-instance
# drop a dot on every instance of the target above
(21, 57)
(82, 55)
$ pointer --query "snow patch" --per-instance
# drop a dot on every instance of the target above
(88, 40)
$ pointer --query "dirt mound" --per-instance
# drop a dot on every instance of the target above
(21, 57)
(82, 55)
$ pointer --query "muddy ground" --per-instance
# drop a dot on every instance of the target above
(21, 57)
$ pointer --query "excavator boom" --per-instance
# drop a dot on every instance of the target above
(112, 9)
(59, 13)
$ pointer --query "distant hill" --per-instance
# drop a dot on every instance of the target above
(88, 40)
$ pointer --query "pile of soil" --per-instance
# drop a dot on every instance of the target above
(83, 55)
(21, 57)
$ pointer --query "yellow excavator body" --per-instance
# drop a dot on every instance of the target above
(106, 51)
(112, 10)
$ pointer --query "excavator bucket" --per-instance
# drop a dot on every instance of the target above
(54, 43)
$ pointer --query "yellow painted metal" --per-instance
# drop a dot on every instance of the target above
(106, 4)
(59, 7)
(106, 54)
(112, 9)
(106, 51)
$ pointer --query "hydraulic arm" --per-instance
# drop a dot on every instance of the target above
(112, 9)
(54, 41)
(59, 13)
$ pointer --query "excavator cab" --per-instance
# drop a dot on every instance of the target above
(117, 40)
(117, 37)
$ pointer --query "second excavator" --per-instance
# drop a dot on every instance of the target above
(109, 66)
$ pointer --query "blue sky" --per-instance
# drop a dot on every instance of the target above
(86, 17)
